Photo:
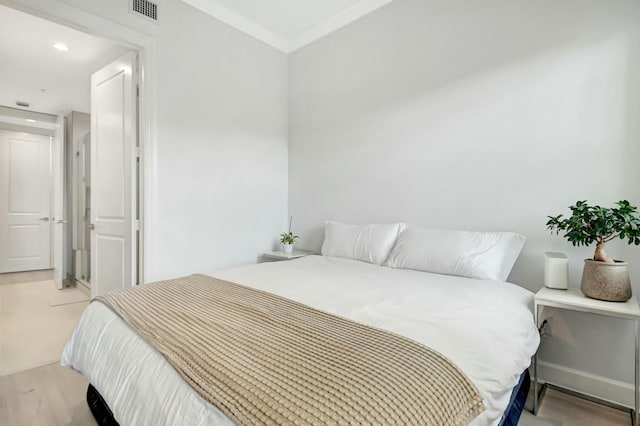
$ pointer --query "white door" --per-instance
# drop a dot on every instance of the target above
(59, 221)
(25, 202)
(113, 142)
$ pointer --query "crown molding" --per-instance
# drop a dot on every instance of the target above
(336, 22)
(238, 21)
(241, 23)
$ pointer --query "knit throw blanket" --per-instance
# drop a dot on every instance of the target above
(262, 359)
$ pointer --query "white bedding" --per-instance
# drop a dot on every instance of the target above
(486, 328)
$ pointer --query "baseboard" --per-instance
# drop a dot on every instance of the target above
(590, 384)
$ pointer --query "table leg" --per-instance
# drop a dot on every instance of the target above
(535, 365)
(636, 395)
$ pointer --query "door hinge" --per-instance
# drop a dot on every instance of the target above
(136, 225)
(136, 151)
(137, 90)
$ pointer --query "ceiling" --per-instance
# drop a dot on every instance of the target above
(30, 63)
(288, 24)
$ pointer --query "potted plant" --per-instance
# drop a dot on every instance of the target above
(602, 278)
(287, 239)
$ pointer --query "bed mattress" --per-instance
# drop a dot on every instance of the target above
(486, 328)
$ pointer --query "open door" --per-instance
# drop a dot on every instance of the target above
(113, 170)
(59, 219)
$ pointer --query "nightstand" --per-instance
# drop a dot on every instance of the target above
(280, 255)
(572, 299)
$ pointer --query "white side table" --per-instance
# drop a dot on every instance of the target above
(572, 299)
(280, 255)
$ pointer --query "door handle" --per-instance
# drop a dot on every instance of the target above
(91, 226)
(61, 221)
(44, 219)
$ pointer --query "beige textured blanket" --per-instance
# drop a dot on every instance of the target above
(265, 360)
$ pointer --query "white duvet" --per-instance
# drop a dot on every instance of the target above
(485, 327)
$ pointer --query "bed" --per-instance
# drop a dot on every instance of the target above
(484, 327)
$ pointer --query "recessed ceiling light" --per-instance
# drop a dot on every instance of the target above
(61, 46)
(30, 120)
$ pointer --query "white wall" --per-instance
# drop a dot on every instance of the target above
(222, 156)
(476, 115)
(221, 138)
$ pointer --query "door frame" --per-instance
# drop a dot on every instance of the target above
(62, 13)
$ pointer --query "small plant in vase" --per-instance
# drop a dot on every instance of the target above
(287, 239)
(602, 278)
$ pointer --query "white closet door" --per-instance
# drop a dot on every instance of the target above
(113, 141)
(25, 202)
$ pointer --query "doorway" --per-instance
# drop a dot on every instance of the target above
(78, 18)
(44, 107)
(66, 221)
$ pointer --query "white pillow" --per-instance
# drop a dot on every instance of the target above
(369, 243)
(481, 255)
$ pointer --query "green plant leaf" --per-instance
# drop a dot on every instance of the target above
(588, 224)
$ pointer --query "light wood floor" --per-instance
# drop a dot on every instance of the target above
(51, 395)
(560, 409)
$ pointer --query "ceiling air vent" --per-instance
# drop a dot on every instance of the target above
(23, 104)
(145, 8)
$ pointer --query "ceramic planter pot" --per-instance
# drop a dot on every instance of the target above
(606, 281)
(288, 248)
